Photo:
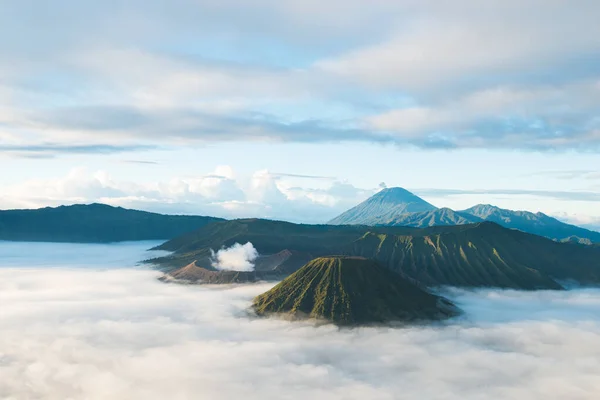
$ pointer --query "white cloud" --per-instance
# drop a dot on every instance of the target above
(461, 43)
(120, 334)
(535, 117)
(219, 193)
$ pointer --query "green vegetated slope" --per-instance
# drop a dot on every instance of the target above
(481, 255)
(94, 223)
(351, 291)
(475, 255)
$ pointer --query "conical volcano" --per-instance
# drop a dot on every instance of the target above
(351, 291)
(383, 206)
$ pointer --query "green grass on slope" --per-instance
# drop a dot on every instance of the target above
(350, 291)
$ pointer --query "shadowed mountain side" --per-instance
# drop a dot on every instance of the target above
(351, 291)
(94, 223)
(384, 205)
(475, 255)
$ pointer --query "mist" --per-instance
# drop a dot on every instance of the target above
(114, 331)
(238, 257)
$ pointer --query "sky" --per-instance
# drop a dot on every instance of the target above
(80, 322)
(298, 110)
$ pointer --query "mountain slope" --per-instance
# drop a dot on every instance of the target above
(385, 204)
(424, 219)
(478, 255)
(268, 237)
(351, 291)
(195, 274)
(536, 223)
(94, 223)
(474, 255)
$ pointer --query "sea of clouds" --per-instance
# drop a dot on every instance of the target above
(113, 331)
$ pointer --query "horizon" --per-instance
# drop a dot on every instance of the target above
(300, 110)
(588, 226)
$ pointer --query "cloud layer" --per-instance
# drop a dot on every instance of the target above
(219, 193)
(509, 75)
(118, 333)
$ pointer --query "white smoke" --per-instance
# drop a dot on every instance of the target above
(235, 258)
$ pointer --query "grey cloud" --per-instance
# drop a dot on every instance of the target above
(308, 53)
(192, 125)
(188, 124)
(110, 331)
(49, 150)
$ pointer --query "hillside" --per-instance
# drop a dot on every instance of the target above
(269, 237)
(484, 254)
(271, 267)
(351, 291)
(536, 223)
(194, 274)
(384, 205)
(94, 223)
(424, 219)
(474, 255)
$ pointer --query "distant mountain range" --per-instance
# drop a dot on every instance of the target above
(472, 255)
(399, 207)
(94, 223)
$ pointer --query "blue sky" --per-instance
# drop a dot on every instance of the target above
(299, 109)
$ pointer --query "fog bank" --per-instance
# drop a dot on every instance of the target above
(111, 333)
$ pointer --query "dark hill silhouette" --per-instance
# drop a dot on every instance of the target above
(94, 223)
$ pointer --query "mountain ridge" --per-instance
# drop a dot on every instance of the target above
(473, 255)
